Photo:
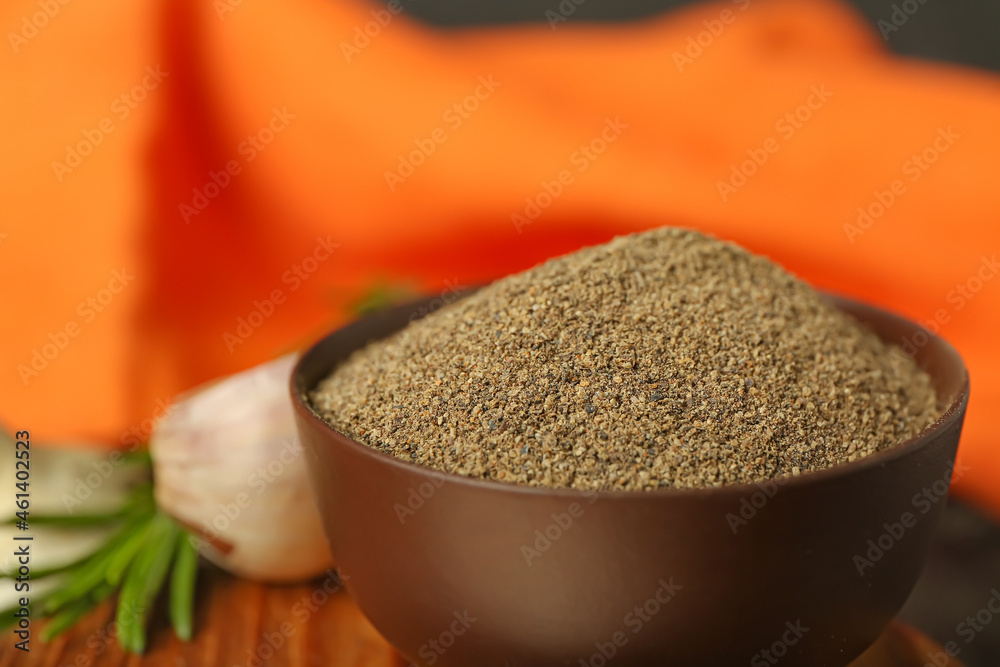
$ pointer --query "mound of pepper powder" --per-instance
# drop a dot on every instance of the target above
(661, 359)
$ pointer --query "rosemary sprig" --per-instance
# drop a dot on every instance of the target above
(134, 562)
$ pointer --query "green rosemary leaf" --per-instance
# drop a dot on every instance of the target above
(73, 520)
(130, 634)
(125, 553)
(42, 572)
(381, 295)
(138, 456)
(138, 501)
(7, 617)
(83, 579)
(140, 493)
(143, 581)
(74, 611)
(182, 584)
(66, 618)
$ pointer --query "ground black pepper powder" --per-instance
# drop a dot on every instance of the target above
(661, 359)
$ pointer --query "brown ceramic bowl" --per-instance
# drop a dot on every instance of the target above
(805, 572)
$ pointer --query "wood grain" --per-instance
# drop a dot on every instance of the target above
(245, 624)
(238, 624)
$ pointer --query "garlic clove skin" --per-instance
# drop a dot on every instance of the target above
(228, 464)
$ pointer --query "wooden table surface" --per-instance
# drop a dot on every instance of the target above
(245, 624)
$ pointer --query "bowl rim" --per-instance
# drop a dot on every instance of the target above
(953, 413)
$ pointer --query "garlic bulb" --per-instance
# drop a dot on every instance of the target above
(227, 463)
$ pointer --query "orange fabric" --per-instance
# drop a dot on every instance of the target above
(63, 235)
(340, 110)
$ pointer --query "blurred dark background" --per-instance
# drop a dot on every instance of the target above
(964, 570)
(958, 31)
(961, 577)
